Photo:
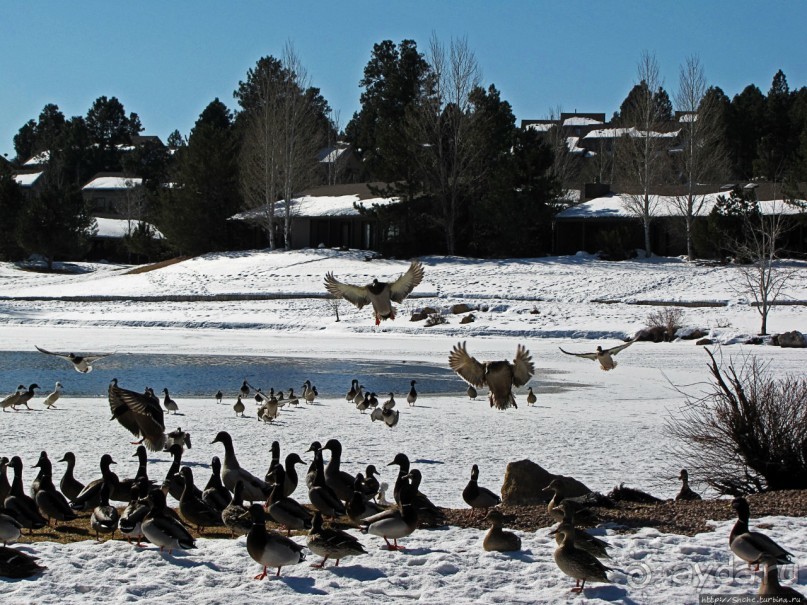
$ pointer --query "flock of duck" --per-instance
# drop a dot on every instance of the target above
(341, 498)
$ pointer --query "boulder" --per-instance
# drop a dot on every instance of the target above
(705, 341)
(428, 311)
(468, 319)
(461, 308)
(418, 316)
(692, 334)
(792, 340)
(654, 334)
(525, 480)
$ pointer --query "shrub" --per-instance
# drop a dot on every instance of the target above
(435, 319)
(667, 318)
(749, 434)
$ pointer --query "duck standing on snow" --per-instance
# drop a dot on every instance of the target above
(11, 400)
(130, 521)
(499, 376)
(81, 363)
(476, 496)
(380, 294)
(170, 404)
(179, 437)
(215, 494)
(753, 546)
(498, 539)
(69, 485)
(231, 472)
(219, 396)
(270, 548)
(193, 508)
(412, 397)
(332, 543)
(582, 539)
(395, 522)
(531, 398)
(239, 407)
(104, 518)
(50, 400)
(235, 516)
(604, 356)
(26, 396)
(244, 390)
(162, 528)
(20, 505)
(576, 563)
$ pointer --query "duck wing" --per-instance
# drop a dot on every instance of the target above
(523, 368)
(467, 367)
(139, 414)
(403, 286)
(358, 295)
(618, 348)
(584, 355)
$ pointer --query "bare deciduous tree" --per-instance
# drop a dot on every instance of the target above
(642, 149)
(702, 157)
(564, 162)
(444, 127)
(765, 275)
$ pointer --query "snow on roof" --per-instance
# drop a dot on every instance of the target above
(318, 206)
(580, 121)
(613, 206)
(688, 117)
(27, 179)
(330, 154)
(113, 182)
(114, 228)
(541, 126)
(38, 159)
(615, 133)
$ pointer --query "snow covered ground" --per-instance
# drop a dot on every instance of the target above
(601, 427)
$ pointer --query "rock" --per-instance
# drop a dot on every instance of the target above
(692, 334)
(792, 340)
(468, 319)
(428, 311)
(525, 480)
(460, 308)
(418, 316)
(755, 340)
(705, 341)
(655, 334)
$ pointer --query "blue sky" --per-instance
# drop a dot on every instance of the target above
(167, 60)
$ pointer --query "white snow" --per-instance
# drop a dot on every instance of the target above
(581, 121)
(38, 159)
(27, 179)
(117, 227)
(113, 182)
(601, 427)
(318, 206)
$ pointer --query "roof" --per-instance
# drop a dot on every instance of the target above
(113, 182)
(613, 206)
(615, 133)
(329, 155)
(580, 121)
(114, 228)
(27, 179)
(38, 159)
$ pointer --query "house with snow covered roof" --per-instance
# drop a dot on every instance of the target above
(113, 194)
(328, 216)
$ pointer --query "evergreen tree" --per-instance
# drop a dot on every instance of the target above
(777, 144)
(746, 121)
(12, 202)
(194, 211)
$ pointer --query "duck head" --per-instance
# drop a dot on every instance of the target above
(315, 447)
(68, 457)
(258, 514)
(334, 445)
(740, 505)
(223, 437)
(401, 460)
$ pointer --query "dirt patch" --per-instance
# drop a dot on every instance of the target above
(155, 266)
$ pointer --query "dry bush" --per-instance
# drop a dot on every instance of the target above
(669, 319)
(435, 319)
(749, 434)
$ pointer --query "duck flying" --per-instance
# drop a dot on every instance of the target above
(380, 294)
(604, 356)
(81, 363)
(499, 376)
(140, 414)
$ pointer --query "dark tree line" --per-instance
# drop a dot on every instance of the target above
(428, 131)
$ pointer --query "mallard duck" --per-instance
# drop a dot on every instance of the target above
(332, 543)
(380, 294)
(320, 495)
(335, 478)
(390, 417)
(359, 507)
(50, 502)
(497, 538)
(471, 392)
(123, 492)
(45, 468)
(582, 539)
(292, 479)
(50, 400)
(577, 563)
(81, 363)
(284, 510)
(235, 515)
(389, 403)
(179, 437)
(20, 505)
(559, 487)
(244, 390)
(311, 474)
(17, 564)
(360, 395)
(173, 481)
(604, 356)
(396, 522)
(163, 529)
(373, 400)
(10, 528)
(499, 376)
(26, 396)
(5, 486)
(193, 508)
(412, 396)
(770, 586)
(309, 392)
(69, 485)
(231, 471)
(273, 462)
(531, 398)
(239, 407)
(170, 404)
(364, 403)
(270, 548)
(686, 492)
(354, 385)
(130, 521)
(89, 497)
(269, 410)
(479, 497)
(11, 400)
(215, 494)
(371, 484)
(753, 546)
(138, 413)
(429, 515)
(104, 518)
(293, 399)
(219, 396)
